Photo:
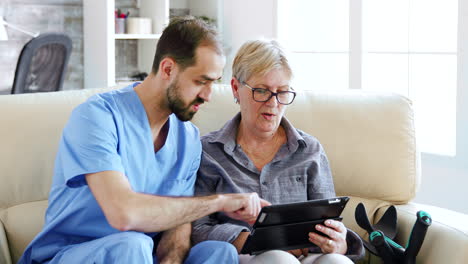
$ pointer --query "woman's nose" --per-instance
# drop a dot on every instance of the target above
(273, 101)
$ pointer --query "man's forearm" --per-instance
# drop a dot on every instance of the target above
(151, 213)
(174, 244)
(126, 209)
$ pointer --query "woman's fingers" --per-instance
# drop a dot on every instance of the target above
(319, 240)
(337, 225)
(334, 239)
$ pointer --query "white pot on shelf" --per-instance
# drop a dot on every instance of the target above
(139, 25)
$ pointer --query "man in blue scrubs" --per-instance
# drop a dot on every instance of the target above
(126, 166)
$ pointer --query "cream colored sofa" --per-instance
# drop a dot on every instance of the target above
(369, 139)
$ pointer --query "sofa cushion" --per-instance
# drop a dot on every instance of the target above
(4, 249)
(22, 223)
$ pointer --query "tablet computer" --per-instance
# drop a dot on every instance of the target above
(286, 226)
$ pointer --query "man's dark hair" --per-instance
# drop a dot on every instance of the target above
(181, 38)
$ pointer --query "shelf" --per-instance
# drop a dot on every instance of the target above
(99, 38)
(137, 36)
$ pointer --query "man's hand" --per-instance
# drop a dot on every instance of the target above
(243, 206)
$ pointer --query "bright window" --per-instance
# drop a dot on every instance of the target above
(319, 54)
(407, 47)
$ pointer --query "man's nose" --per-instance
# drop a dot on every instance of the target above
(205, 94)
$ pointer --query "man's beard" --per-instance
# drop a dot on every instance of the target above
(177, 105)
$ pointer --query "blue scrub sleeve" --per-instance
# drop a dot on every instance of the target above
(89, 142)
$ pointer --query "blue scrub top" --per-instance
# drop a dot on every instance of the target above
(111, 131)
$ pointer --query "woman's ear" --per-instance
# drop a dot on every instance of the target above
(235, 89)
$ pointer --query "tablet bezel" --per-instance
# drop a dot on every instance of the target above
(311, 210)
(295, 213)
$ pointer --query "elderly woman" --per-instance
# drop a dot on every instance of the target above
(260, 151)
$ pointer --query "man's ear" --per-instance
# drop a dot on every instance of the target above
(167, 67)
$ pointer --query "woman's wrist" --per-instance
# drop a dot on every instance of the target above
(240, 240)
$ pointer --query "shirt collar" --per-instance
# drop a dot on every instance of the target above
(228, 133)
(294, 138)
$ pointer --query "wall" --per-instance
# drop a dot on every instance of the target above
(245, 20)
(445, 179)
(41, 16)
(444, 182)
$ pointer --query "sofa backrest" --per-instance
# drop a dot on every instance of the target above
(369, 139)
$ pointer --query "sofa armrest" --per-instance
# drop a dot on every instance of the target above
(446, 239)
(4, 250)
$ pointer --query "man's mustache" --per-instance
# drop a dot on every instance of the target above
(197, 101)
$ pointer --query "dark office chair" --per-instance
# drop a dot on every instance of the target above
(42, 64)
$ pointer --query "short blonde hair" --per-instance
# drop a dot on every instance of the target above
(258, 57)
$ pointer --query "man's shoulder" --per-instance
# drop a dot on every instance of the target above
(110, 96)
(104, 103)
(95, 101)
(95, 108)
(97, 113)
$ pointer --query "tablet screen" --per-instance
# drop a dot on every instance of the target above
(312, 210)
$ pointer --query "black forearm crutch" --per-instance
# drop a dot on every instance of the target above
(381, 235)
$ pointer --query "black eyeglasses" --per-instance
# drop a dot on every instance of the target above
(263, 95)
